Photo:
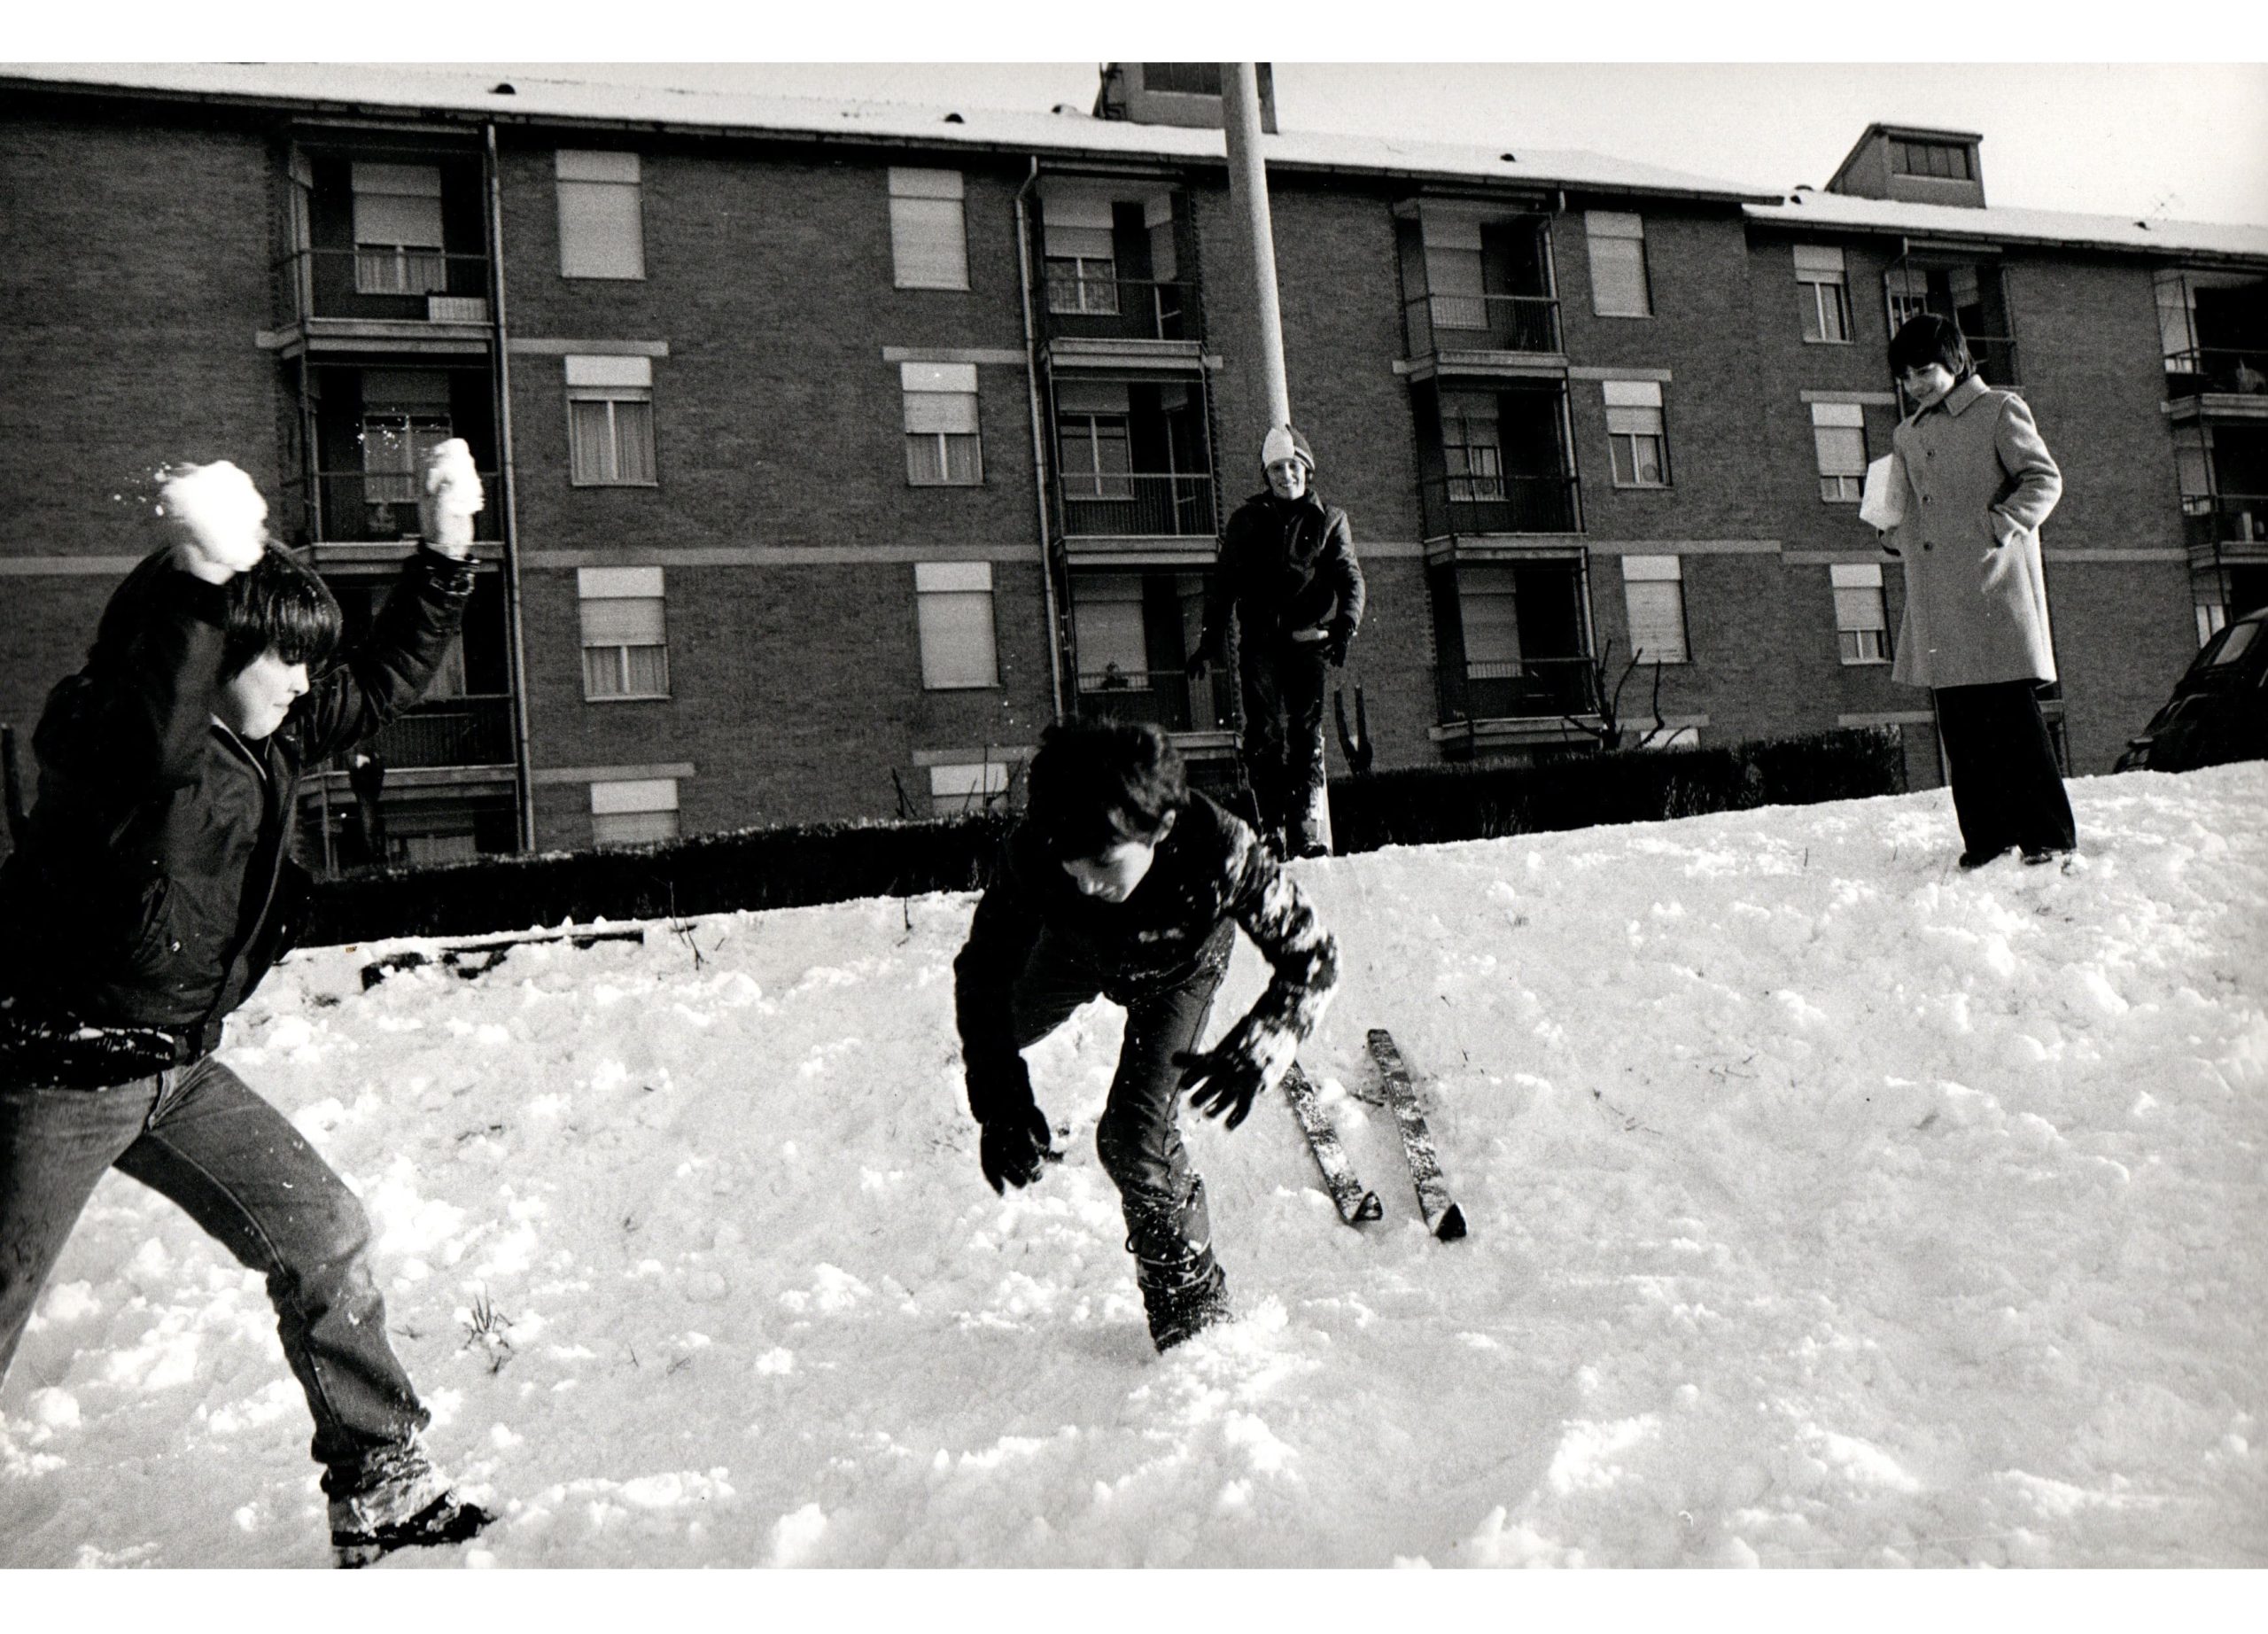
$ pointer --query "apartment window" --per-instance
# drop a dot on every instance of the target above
(1472, 447)
(1454, 281)
(405, 416)
(600, 232)
(1081, 256)
(1635, 434)
(1618, 246)
(970, 787)
(928, 233)
(954, 610)
(1090, 434)
(1653, 593)
(1838, 436)
(1826, 292)
(1862, 626)
(635, 812)
(942, 449)
(1183, 79)
(1946, 161)
(398, 229)
(1111, 632)
(610, 422)
(1489, 609)
(625, 639)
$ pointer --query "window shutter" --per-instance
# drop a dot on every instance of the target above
(623, 624)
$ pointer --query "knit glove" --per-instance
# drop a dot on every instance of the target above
(1014, 1142)
(1335, 643)
(1229, 1077)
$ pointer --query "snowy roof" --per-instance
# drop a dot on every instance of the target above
(372, 87)
(2004, 223)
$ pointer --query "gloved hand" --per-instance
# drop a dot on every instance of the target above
(1201, 663)
(1335, 644)
(1015, 1147)
(1222, 1079)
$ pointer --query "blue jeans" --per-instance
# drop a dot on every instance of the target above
(1139, 1135)
(197, 1135)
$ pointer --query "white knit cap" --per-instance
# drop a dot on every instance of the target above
(1283, 443)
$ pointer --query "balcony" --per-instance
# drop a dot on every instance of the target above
(360, 507)
(1523, 323)
(387, 293)
(1167, 699)
(2223, 525)
(2233, 371)
(1082, 306)
(1517, 690)
(475, 730)
(1137, 505)
(1499, 504)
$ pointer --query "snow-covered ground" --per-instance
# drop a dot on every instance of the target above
(1830, 1207)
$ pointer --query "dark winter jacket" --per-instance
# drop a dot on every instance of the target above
(1209, 868)
(154, 887)
(1285, 565)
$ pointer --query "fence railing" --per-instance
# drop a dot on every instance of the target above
(364, 507)
(1076, 306)
(387, 280)
(1517, 688)
(1482, 323)
(1499, 504)
(2240, 369)
(1165, 698)
(2227, 519)
(472, 730)
(1137, 504)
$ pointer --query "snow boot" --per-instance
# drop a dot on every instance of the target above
(403, 1504)
(1183, 1290)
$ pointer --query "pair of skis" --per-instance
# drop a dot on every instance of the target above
(1356, 1204)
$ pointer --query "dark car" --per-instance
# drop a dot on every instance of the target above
(2219, 709)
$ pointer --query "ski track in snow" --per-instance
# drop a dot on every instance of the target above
(1828, 1207)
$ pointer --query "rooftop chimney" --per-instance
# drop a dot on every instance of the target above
(1174, 93)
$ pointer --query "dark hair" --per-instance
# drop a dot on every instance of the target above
(1095, 784)
(278, 605)
(1926, 338)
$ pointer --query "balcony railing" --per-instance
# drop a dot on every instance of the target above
(394, 282)
(361, 507)
(2227, 520)
(1453, 505)
(1084, 307)
(1139, 504)
(473, 730)
(2240, 370)
(1517, 690)
(1482, 323)
(1165, 698)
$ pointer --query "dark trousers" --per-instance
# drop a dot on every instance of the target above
(1139, 1136)
(1283, 737)
(2007, 787)
(197, 1135)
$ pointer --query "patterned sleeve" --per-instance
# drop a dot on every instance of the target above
(1000, 936)
(1277, 915)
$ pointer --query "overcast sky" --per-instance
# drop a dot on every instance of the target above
(2095, 131)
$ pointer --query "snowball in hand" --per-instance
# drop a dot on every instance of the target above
(453, 482)
(223, 514)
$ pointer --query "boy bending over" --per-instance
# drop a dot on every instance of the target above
(1123, 883)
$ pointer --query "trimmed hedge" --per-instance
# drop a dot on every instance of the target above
(838, 862)
(1424, 805)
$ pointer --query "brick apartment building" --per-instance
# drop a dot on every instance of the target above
(832, 452)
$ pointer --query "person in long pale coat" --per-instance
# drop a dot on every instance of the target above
(1976, 631)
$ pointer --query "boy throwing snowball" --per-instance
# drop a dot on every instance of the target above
(152, 890)
(1121, 882)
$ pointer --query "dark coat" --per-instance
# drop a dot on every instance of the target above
(1285, 566)
(154, 886)
(1209, 869)
(1981, 483)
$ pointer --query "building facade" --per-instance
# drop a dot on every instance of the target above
(831, 454)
